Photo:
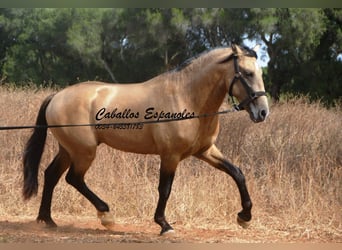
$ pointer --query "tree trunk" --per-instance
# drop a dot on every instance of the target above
(108, 70)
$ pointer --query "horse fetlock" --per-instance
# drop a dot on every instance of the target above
(107, 219)
(247, 206)
(166, 228)
(159, 219)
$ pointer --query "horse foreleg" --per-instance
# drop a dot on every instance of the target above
(215, 158)
(52, 174)
(165, 184)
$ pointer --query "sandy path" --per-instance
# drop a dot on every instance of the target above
(85, 230)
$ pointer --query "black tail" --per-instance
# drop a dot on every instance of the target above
(33, 152)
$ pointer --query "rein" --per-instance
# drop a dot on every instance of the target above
(251, 94)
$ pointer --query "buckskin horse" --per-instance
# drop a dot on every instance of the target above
(185, 96)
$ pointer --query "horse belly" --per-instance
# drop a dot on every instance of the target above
(129, 140)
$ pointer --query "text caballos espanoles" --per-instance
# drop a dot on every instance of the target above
(150, 114)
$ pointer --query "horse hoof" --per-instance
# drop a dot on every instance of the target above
(243, 223)
(168, 232)
(49, 223)
(107, 219)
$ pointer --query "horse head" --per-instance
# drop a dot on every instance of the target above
(247, 84)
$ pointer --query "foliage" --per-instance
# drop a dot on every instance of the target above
(303, 46)
(65, 46)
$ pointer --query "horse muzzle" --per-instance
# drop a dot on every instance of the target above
(258, 110)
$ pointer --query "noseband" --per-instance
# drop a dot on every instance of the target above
(251, 94)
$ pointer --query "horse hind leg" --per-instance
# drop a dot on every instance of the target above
(52, 174)
(75, 177)
(167, 173)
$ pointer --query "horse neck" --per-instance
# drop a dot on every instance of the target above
(205, 88)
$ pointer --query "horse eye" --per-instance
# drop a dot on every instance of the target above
(249, 74)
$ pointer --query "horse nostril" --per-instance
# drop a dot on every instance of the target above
(263, 114)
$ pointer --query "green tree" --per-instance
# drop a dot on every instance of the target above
(215, 27)
(140, 43)
(86, 44)
(326, 64)
(164, 38)
(37, 38)
(52, 46)
(291, 36)
(64, 46)
(6, 35)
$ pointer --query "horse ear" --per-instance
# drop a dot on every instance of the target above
(234, 48)
(257, 47)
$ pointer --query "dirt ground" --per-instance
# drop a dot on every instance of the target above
(89, 230)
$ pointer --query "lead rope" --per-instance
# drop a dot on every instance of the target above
(117, 123)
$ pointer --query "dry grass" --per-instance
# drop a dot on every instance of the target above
(292, 165)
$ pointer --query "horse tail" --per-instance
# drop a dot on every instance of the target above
(33, 152)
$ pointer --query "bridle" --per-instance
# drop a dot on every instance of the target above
(251, 94)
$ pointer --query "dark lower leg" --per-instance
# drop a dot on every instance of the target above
(51, 177)
(77, 181)
(214, 157)
(239, 179)
(164, 188)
